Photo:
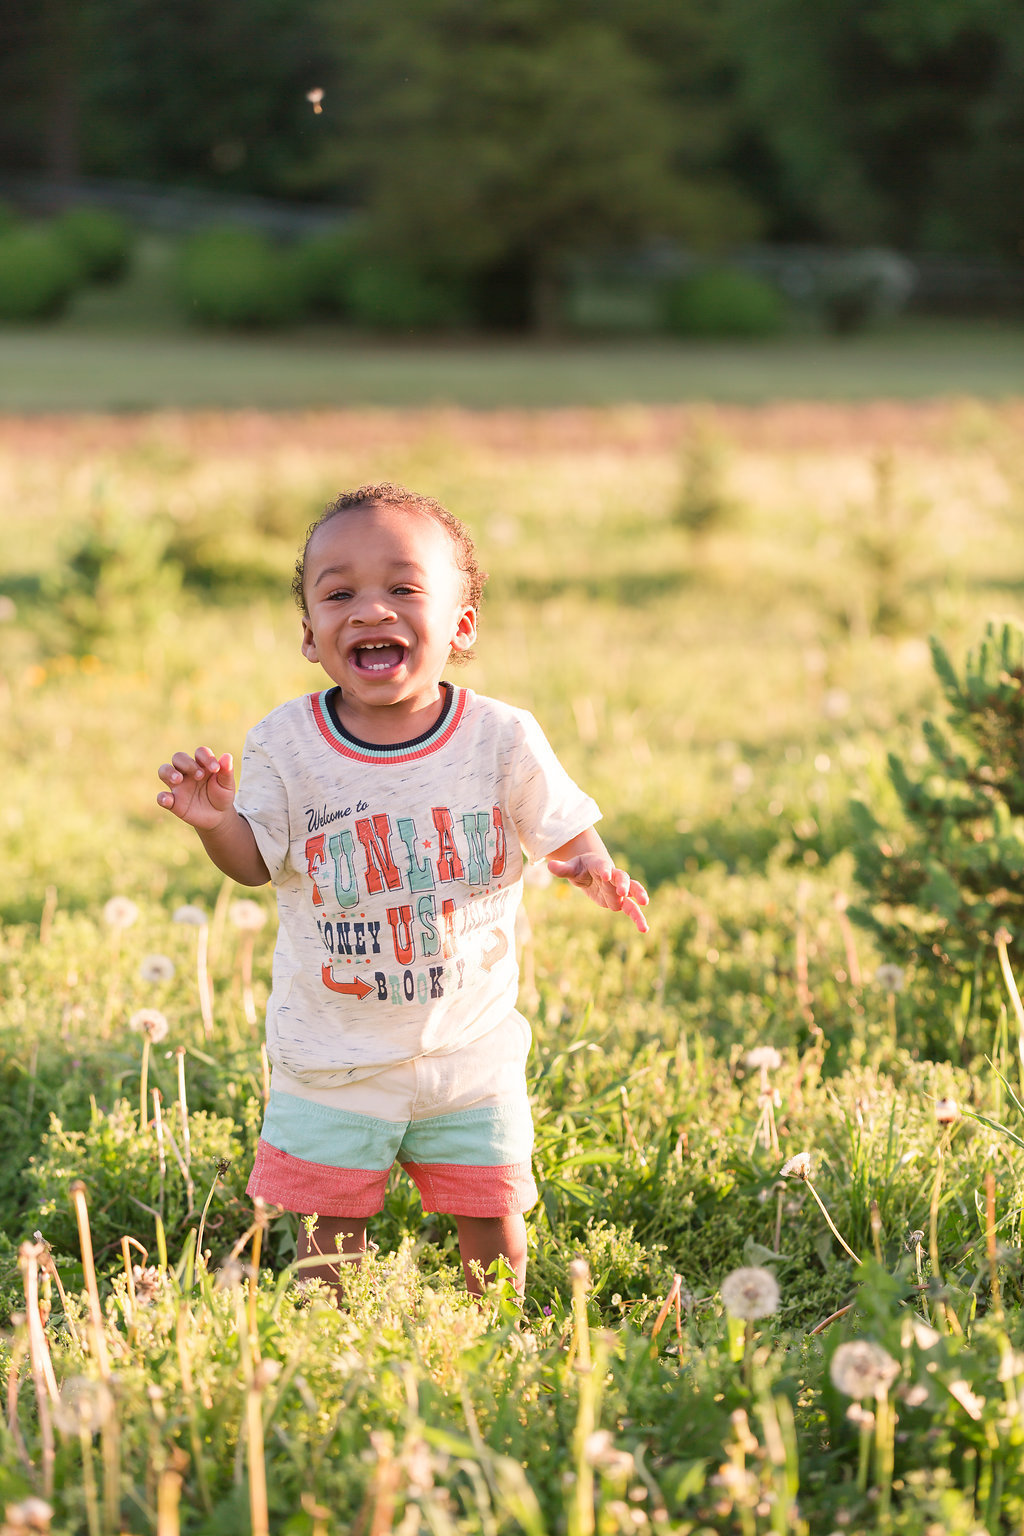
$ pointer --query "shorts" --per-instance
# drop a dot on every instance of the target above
(459, 1125)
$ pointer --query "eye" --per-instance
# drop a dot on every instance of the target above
(337, 596)
(403, 590)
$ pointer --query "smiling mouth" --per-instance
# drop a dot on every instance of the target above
(378, 658)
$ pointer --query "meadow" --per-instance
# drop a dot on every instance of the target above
(720, 615)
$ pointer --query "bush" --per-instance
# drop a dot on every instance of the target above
(390, 296)
(235, 277)
(325, 264)
(100, 243)
(724, 301)
(37, 275)
(940, 887)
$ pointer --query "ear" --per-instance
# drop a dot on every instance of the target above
(308, 643)
(465, 630)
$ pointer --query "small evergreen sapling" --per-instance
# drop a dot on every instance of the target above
(940, 887)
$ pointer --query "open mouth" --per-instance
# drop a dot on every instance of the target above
(382, 656)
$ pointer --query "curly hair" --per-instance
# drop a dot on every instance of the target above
(389, 495)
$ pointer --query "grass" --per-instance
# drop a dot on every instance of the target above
(126, 349)
(723, 694)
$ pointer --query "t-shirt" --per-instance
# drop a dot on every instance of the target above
(398, 872)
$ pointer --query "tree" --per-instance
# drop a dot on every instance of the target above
(503, 138)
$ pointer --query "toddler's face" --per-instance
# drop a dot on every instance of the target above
(384, 607)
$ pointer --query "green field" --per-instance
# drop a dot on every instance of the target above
(721, 619)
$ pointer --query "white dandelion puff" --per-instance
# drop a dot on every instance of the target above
(796, 1167)
(157, 968)
(147, 1280)
(891, 978)
(150, 1022)
(248, 916)
(765, 1058)
(947, 1111)
(83, 1407)
(191, 915)
(579, 1271)
(862, 1369)
(120, 912)
(31, 1514)
(750, 1293)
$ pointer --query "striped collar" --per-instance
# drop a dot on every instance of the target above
(393, 752)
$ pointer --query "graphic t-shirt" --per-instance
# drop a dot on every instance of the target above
(398, 872)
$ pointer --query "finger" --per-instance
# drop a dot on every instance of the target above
(638, 893)
(225, 767)
(168, 774)
(633, 912)
(186, 765)
(166, 801)
(563, 869)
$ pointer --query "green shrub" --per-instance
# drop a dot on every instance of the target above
(100, 242)
(37, 275)
(940, 886)
(235, 277)
(723, 301)
(325, 264)
(391, 296)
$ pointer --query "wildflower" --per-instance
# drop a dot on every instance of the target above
(249, 916)
(891, 978)
(147, 1282)
(120, 912)
(84, 1406)
(31, 1514)
(797, 1167)
(151, 1022)
(750, 1293)
(315, 97)
(969, 1401)
(601, 1452)
(157, 968)
(764, 1057)
(863, 1369)
(947, 1111)
(192, 916)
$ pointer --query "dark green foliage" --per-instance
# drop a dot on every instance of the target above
(325, 264)
(393, 296)
(235, 277)
(723, 301)
(100, 242)
(37, 275)
(940, 886)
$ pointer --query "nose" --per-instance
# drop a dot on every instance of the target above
(371, 609)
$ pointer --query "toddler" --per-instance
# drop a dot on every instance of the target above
(392, 810)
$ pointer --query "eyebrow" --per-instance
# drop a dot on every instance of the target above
(405, 568)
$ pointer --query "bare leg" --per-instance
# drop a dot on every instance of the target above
(352, 1232)
(482, 1239)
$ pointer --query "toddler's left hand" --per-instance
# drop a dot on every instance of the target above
(612, 888)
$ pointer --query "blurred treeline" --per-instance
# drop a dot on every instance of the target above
(495, 140)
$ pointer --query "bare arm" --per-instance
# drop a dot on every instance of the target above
(201, 792)
(586, 863)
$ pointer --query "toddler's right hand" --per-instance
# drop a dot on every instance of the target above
(199, 789)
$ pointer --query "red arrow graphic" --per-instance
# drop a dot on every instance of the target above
(357, 987)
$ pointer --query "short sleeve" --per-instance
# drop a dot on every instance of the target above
(263, 800)
(548, 808)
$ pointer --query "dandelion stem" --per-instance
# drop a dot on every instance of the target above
(97, 1342)
(144, 1085)
(43, 1378)
(835, 1230)
(186, 1140)
(666, 1306)
(990, 1245)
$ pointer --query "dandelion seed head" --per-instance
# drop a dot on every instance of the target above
(891, 978)
(157, 968)
(266, 1372)
(579, 1272)
(796, 1167)
(602, 1452)
(947, 1111)
(248, 916)
(750, 1293)
(151, 1022)
(862, 1369)
(31, 1514)
(147, 1280)
(862, 1417)
(191, 915)
(925, 1337)
(1003, 936)
(764, 1057)
(83, 1405)
(120, 912)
